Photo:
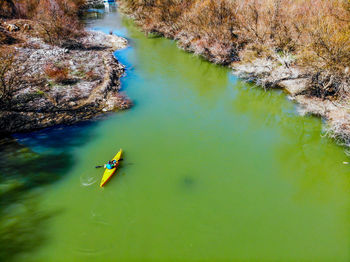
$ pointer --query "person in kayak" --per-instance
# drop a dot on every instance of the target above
(111, 164)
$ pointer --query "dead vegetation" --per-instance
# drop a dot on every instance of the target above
(315, 32)
(58, 20)
(54, 21)
(59, 73)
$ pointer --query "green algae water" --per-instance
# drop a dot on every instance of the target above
(214, 170)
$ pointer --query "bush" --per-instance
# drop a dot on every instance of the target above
(327, 37)
(58, 20)
(26, 8)
(91, 76)
(60, 74)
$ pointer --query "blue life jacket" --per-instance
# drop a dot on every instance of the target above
(109, 166)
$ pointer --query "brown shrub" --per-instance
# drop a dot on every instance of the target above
(212, 25)
(91, 76)
(60, 74)
(58, 21)
(326, 43)
(26, 8)
(318, 31)
(267, 22)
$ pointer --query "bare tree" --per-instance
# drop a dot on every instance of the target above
(11, 73)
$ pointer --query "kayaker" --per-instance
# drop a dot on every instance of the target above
(111, 164)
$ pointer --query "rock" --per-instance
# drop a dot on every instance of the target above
(294, 86)
(94, 3)
(26, 27)
(12, 27)
(95, 39)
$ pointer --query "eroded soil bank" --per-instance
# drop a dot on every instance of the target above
(60, 84)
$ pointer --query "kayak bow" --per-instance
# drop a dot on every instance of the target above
(109, 172)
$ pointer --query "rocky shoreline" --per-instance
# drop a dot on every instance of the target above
(295, 81)
(91, 83)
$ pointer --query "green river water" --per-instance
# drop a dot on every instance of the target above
(214, 169)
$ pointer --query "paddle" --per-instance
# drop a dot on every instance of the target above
(103, 165)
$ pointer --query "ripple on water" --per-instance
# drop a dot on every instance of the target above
(86, 180)
(89, 246)
(98, 219)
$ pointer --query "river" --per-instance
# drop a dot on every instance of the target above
(215, 169)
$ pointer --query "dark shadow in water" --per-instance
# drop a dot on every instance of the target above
(34, 160)
(188, 182)
(59, 138)
(22, 224)
(22, 227)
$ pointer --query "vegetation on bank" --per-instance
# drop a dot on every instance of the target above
(58, 19)
(56, 22)
(310, 34)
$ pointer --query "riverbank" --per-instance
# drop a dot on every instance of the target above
(297, 82)
(64, 84)
(266, 44)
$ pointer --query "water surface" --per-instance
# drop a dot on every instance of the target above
(215, 170)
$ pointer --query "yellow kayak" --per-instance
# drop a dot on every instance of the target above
(109, 172)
